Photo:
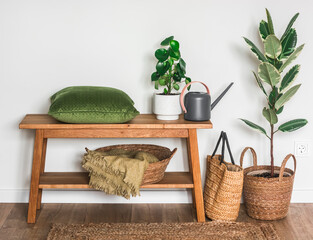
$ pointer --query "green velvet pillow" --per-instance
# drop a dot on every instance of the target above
(85, 104)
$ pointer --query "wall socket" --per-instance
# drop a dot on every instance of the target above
(303, 148)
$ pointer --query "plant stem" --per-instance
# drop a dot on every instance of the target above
(272, 150)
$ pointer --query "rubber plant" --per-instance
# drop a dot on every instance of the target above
(278, 89)
(171, 68)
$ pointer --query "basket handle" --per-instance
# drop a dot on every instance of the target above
(283, 165)
(173, 152)
(255, 162)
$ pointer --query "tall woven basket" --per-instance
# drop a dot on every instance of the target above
(155, 171)
(267, 198)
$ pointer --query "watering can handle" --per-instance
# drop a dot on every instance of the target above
(183, 91)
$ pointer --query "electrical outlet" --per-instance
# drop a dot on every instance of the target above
(302, 148)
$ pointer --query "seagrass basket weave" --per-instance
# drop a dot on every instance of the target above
(222, 189)
(267, 198)
(155, 171)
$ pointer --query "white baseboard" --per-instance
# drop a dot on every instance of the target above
(155, 196)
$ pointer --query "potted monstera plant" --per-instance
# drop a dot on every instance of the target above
(267, 189)
(170, 73)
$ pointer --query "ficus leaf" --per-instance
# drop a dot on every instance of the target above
(269, 22)
(292, 57)
(258, 80)
(165, 91)
(263, 30)
(254, 126)
(292, 125)
(274, 95)
(255, 50)
(293, 19)
(270, 115)
(166, 41)
(272, 46)
(268, 73)
(279, 111)
(289, 43)
(289, 77)
(286, 96)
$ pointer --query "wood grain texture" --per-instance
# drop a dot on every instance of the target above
(34, 185)
(44, 121)
(297, 225)
(42, 169)
(67, 180)
(116, 133)
(196, 173)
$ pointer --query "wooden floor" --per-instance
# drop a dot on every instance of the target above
(297, 225)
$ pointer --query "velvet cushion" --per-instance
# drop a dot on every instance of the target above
(86, 104)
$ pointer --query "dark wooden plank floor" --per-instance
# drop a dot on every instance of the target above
(297, 225)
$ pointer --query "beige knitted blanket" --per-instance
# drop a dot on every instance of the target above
(117, 171)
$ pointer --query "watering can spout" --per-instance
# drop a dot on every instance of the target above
(221, 96)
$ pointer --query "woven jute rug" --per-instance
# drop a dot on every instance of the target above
(169, 231)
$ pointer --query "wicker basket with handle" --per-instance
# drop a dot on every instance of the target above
(155, 171)
(267, 198)
(223, 185)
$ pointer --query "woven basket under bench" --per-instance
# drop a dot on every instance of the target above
(155, 171)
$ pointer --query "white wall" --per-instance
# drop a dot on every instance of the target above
(48, 45)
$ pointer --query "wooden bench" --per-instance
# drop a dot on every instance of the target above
(143, 126)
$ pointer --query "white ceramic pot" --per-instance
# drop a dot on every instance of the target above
(166, 107)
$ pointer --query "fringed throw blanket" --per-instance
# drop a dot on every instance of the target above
(117, 171)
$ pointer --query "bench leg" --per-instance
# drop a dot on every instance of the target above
(196, 174)
(190, 170)
(34, 184)
(42, 170)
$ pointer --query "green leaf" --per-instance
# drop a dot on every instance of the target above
(165, 91)
(254, 126)
(255, 50)
(272, 98)
(174, 45)
(171, 61)
(162, 81)
(272, 46)
(290, 77)
(166, 41)
(161, 54)
(268, 73)
(286, 96)
(270, 22)
(292, 125)
(258, 80)
(179, 70)
(263, 30)
(270, 115)
(162, 67)
(176, 86)
(156, 85)
(174, 55)
(154, 76)
(289, 43)
(188, 80)
(293, 19)
(176, 77)
(292, 57)
(182, 65)
(279, 111)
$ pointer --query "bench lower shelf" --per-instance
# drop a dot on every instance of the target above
(62, 180)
